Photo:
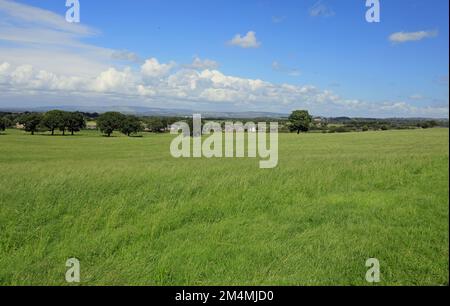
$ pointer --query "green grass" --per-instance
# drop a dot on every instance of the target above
(133, 215)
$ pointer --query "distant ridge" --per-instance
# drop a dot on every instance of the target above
(149, 111)
(166, 112)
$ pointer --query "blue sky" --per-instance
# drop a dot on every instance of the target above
(229, 55)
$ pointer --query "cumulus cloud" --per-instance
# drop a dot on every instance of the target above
(27, 77)
(202, 64)
(4, 67)
(113, 80)
(22, 74)
(402, 37)
(188, 86)
(247, 41)
(153, 69)
(41, 56)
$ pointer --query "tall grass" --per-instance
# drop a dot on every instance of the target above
(133, 215)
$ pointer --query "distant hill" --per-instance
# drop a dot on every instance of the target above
(149, 111)
(165, 112)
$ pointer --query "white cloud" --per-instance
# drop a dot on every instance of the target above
(319, 9)
(202, 64)
(22, 74)
(247, 41)
(113, 80)
(23, 23)
(408, 110)
(153, 69)
(30, 35)
(43, 58)
(37, 17)
(402, 37)
(4, 67)
(190, 87)
(27, 77)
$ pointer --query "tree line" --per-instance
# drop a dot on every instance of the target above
(53, 120)
(74, 122)
(300, 121)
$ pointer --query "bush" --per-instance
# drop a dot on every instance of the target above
(342, 129)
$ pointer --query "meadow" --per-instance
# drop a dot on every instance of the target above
(133, 215)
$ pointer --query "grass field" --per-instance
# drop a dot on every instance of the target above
(133, 215)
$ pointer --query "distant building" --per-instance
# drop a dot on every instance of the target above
(318, 120)
(91, 125)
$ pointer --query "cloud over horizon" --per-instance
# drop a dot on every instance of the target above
(44, 57)
(157, 81)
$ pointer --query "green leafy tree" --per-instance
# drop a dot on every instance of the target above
(131, 125)
(53, 120)
(75, 122)
(300, 121)
(64, 122)
(5, 123)
(109, 122)
(2, 124)
(427, 124)
(157, 125)
(31, 122)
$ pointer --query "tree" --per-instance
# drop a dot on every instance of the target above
(2, 124)
(300, 121)
(53, 120)
(130, 125)
(157, 125)
(427, 124)
(75, 122)
(5, 123)
(31, 122)
(109, 122)
(65, 121)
